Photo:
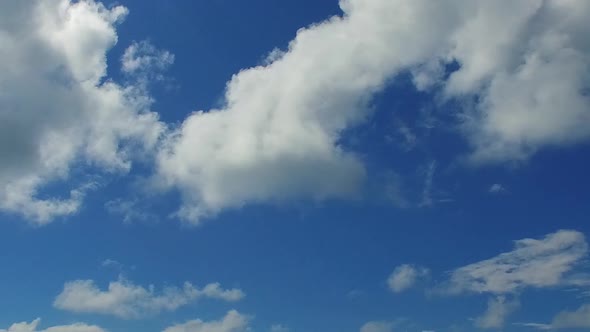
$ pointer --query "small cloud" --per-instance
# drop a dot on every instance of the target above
(497, 188)
(378, 326)
(537, 326)
(405, 276)
(405, 137)
(111, 263)
(428, 184)
(278, 328)
(143, 56)
(232, 322)
(130, 210)
(393, 190)
(355, 294)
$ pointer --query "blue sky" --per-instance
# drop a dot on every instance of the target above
(303, 166)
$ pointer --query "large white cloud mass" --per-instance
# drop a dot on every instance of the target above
(522, 75)
(57, 111)
(522, 83)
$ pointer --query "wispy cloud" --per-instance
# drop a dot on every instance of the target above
(535, 263)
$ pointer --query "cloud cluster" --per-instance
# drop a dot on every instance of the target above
(32, 327)
(57, 111)
(127, 300)
(519, 70)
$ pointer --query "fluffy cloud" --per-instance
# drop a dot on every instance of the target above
(56, 108)
(232, 322)
(405, 276)
(499, 309)
(32, 327)
(522, 74)
(277, 135)
(127, 300)
(573, 319)
(142, 56)
(536, 263)
(377, 326)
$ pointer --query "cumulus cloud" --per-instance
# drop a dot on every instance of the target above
(377, 326)
(405, 276)
(579, 318)
(498, 310)
(520, 69)
(56, 107)
(534, 263)
(127, 300)
(232, 322)
(32, 327)
(277, 134)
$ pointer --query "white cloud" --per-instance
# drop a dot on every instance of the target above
(536, 263)
(112, 263)
(279, 328)
(32, 327)
(143, 56)
(131, 210)
(573, 319)
(378, 326)
(526, 62)
(537, 326)
(428, 184)
(276, 137)
(232, 322)
(522, 73)
(498, 310)
(405, 276)
(497, 188)
(57, 109)
(127, 300)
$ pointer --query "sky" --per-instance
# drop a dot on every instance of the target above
(294, 166)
